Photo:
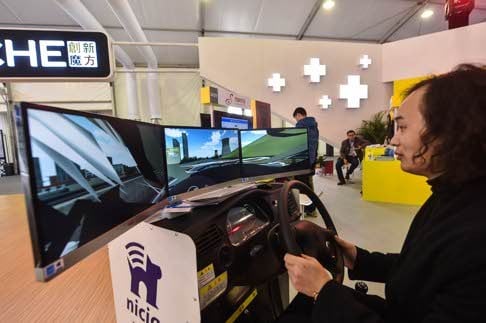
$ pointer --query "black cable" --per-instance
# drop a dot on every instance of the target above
(382, 21)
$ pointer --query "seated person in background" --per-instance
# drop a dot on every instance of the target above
(351, 150)
(440, 273)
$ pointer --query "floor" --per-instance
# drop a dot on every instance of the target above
(373, 226)
(10, 185)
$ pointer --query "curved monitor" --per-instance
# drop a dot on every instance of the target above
(2, 147)
(276, 152)
(86, 177)
(199, 158)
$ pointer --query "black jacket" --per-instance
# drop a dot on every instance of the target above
(358, 142)
(313, 136)
(439, 275)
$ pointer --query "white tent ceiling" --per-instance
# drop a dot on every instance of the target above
(183, 21)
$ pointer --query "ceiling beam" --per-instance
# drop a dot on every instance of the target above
(291, 36)
(213, 31)
(202, 16)
(132, 43)
(309, 19)
(79, 13)
(442, 2)
(12, 12)
(413, 11)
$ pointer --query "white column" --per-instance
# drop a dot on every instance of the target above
(154, 97)
(132, 99)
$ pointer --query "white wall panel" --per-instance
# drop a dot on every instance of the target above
(79, 96)
(243, 65)
(179, 94)
(434, 53)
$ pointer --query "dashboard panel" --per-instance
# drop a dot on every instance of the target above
(244, 221)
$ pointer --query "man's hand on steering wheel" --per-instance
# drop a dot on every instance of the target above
(349, 252)
(306, 274)
(306, 237)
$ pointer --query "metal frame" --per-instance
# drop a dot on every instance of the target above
(413, 11)
(134, 43)
(309, 19)
(206, 31)
(202, 7)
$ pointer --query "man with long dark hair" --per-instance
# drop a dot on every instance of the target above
(440, 273)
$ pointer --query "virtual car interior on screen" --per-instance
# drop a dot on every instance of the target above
(91, 174)
(200, 157)
(274, 151)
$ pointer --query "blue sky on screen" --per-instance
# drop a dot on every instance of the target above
(106, 143)
(202, 142)
(247, 137)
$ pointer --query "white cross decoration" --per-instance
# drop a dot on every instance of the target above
(315, 70)
(353, 91)
(365, 61)
(325, 102)
(276, 82)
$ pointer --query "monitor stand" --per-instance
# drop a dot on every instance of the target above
(221, 194)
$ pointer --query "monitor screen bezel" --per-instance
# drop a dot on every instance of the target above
(185, 195)
(273, 175)
(3, 147)
(28, 183)
(218, 115)
(239, 119)
(32, 201)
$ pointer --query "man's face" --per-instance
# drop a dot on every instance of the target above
(410, 125)
(351, 136)
(298, 117)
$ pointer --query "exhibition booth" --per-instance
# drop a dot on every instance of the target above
(188, 208)
(228, 109)
(384, 180)
(394, 67)
(382, 177)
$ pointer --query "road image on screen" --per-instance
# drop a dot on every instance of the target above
(273, 151)
(90, 175)
(197, 158)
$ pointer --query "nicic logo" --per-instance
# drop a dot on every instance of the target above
(142, 271)
(79, 53)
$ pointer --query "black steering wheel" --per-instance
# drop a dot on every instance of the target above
(309, 238)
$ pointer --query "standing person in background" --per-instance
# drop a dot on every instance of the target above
(303, 121)
(351, 152)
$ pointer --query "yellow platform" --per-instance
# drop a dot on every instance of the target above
(384, 181)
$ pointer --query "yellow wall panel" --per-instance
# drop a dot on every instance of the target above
(205, 95)
(400, 86)
(384, 181)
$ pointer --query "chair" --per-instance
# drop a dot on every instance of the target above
(356, 170)
(304, 201)
(327, 167)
